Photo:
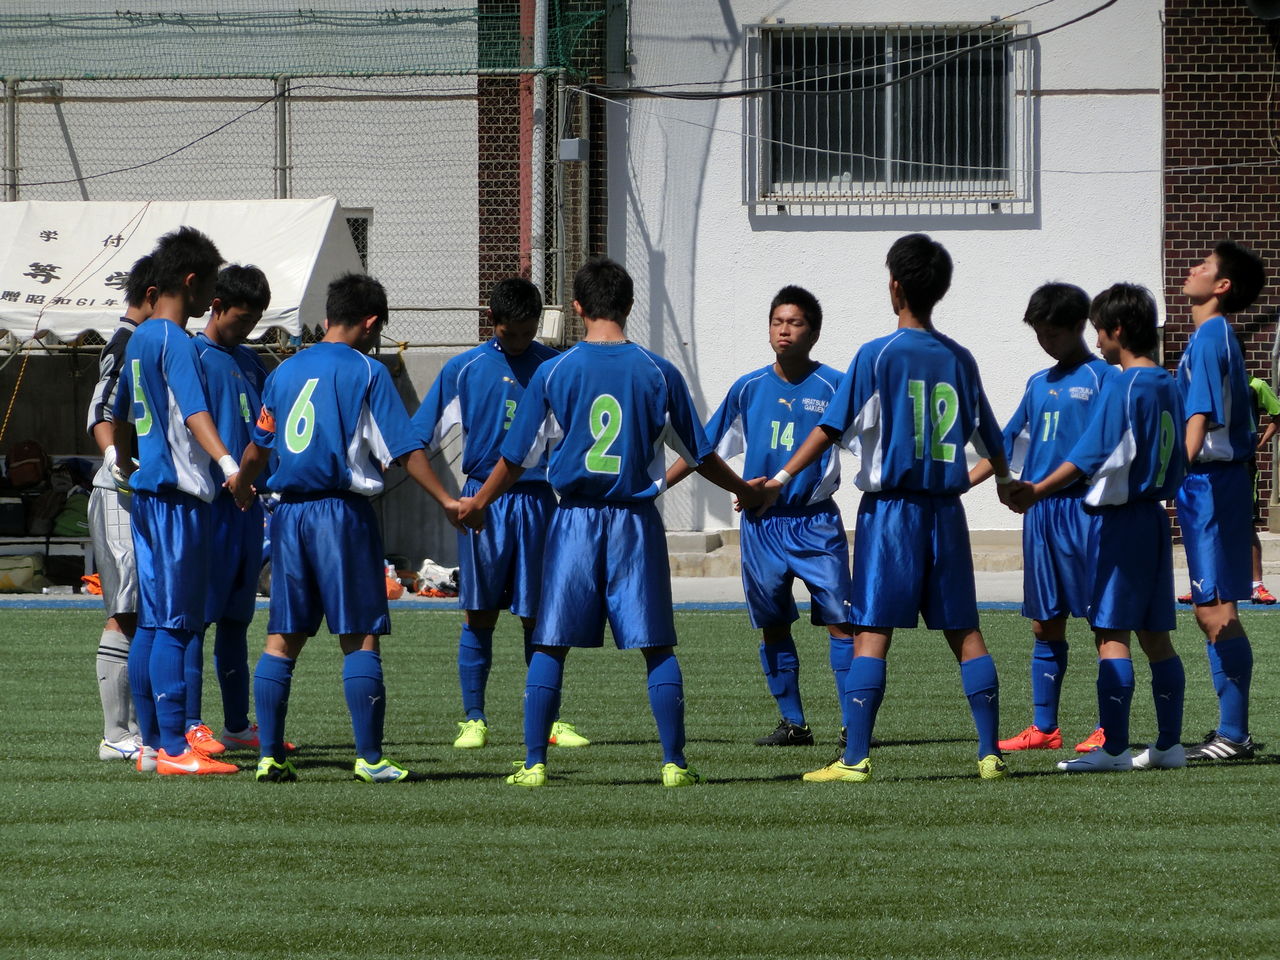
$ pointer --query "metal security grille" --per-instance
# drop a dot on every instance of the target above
(899, 114)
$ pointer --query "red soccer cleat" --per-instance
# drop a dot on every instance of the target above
(1033, 738)
(1262, 595)
(200, 739)
(1093, 741)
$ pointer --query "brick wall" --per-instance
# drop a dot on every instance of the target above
(1221, 108)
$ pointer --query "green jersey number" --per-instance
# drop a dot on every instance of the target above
(606, 424)
(943, 407)
(300, 426)
(511, 414)
(143, 423)
(787, 438)
(244, 409)
(1168, 437)
(1050, 426)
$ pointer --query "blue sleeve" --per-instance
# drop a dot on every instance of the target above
(264, 428)
(430, 423)
(987, 438)
(122, 403)
(389, 414)
(1207, 370)
(534, 429)
(184, 376)
(1016, 436)
(849, 400)
(684, 434)
(1104, 433)
(729, 411)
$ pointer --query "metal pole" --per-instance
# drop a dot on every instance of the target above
(282, 138)
(561, 233)
(11, 139)
(538, 151)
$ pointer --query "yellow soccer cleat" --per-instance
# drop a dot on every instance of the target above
(992, 767)
(564, 735)
(472, 735)
(535, 776)
(838, 770)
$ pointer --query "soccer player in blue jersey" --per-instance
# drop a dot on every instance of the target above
(604, 408)
(234, 378)
(1132, 454)
(112, 532)
(908, 404)
(1056, 566)
(501, 565)
(333, 418)
(765, 414)
(1214, 502)
(162, 404)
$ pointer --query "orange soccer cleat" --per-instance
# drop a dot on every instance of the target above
(191, 762)
(1033, 738)
(200, 738)
(1093, 741)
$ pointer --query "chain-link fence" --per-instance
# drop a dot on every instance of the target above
(438, 130)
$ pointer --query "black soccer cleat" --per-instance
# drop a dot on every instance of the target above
(788, 735)
(1218, 747)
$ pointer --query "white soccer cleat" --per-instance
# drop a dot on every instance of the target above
(126, 749)
(1153, 759)
(1097, 761)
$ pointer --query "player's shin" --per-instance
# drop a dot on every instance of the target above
(366, 700)
(982, 690)
(864, 689)
(666, 699)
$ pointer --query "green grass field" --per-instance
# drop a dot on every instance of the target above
(926, 861)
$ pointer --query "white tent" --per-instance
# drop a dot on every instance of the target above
(63, 263)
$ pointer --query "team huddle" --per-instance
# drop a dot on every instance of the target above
(564, 457)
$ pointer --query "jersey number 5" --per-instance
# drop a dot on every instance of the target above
(943, 408)
(142, 424)
(606, 424)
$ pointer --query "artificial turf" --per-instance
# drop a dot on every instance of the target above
(925, 861)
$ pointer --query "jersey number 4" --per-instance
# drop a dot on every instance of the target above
(943, 407)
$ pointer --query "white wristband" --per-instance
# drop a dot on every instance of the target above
(229, 466)
(782, 477)
(1004, 481)
(110, 457)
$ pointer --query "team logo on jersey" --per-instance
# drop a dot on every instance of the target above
(814, 405)
(1081, 393)
(785, 402)
(507, 380)
(1053, 392)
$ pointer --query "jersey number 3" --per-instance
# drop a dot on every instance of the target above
(606, 424)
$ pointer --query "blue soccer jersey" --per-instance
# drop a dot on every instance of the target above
(161, 385)
(907, 407)
(604, 411)
(1213, 382)
(480, 391)
(766, 418)
(1056, 406)
(335, 421)
(1132, 449)
(234, 379)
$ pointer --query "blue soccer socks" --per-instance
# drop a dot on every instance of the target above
(169, 685)
(475, 657)
(1115, 694)
(1048, 667)
(231, 664)
(864, 689)
(982, 689)
(541, 700)
(271, 681)
(193, 673)
(1168, 689)
(144, 703)
(666, 699)
(840, 655)
(1232, 664)
(366, 700)
(781, 665)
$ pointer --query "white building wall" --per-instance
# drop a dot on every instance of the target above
(706, 270)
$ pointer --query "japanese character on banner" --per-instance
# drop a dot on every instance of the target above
(48, 235)
(119, 280)
(43, 272)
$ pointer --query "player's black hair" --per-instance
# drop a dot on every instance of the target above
(180, 253)
(514, 299)
(354, 296)
(799, 297)
(603, 290)
(1244, 269)
(1061, 305)
(241, 286)
(1130, 308)
(922, 268)
(140, 281)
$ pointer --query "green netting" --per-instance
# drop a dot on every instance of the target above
(66, 40)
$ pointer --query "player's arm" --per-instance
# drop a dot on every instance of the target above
(503, 477)
(1197, 430)
(205, 431)
(124, 440)
(418, 466)
(981, 472)
(723, 476)
(253, 461)
(820, 439)
(1269, 431)
(678, 471)
(1064, 475)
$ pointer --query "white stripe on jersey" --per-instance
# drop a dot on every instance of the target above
(734, 441)
(451, 417)
(1217, 440)
(548, 435)
(862, 436)
(367, 441)
(1110, 485)
(190, 462)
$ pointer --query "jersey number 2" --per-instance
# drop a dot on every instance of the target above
(606, 424)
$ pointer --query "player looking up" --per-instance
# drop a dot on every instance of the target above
(334, 420)
(1130, 452)
(762, 417)
(1056, 406)
(604, 408)
(908, 404)
(501, 565)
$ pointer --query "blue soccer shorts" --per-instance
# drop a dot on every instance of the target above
(501, 565)
(237, 552)
(327, 562)
(172, 533)
(787, 543)
(606, 562)
(1132, 555)
(910, 557)
(1057, 568)
(1215, 511)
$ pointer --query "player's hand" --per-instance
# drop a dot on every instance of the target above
(451, 510)
(753, 499)
(1017, 496)
(770, 490)
(243, 491)
(469, 516)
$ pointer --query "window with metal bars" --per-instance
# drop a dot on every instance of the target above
(859, 114)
